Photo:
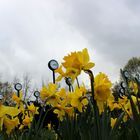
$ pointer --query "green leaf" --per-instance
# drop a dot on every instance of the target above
(116, 126)
(136, 118)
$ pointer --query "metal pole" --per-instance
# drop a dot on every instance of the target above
(18, 93)
(53, 77)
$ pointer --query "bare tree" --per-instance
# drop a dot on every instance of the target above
(26, 85)
(133, 65)
(6, 90)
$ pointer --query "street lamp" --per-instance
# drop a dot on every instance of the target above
(18, 87)
(53, 65)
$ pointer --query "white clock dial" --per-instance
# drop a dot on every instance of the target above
(1, 97)
(36, 93)
(53, 65)
(18, 86)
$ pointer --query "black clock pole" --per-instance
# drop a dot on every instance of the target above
(53, 65)
(18, 87)
(53, 76)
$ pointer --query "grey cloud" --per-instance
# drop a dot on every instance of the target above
(111, 27)
(32, 33)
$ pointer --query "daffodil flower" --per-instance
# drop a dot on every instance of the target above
(33, 110)
(10, 124)
(48, 91)
(74, 63)
(17, 99)
(102, 90)
(26, 122)
(79, 100)
(113, 121)
(6, 110)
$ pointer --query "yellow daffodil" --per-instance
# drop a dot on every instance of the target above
(79, 100)
(113, 121)
(60, 113)
(61, 73)
(6, 110)
(102, 90)
(49, 126)
(123, 100)
(125, 104)
(10, 124)
(74, 63)
(63, 107)
(61, 110)
(1, 122)
(48, 91)
(134, 87)
(102, 87)
(127, 107)
(125, 118)
(84, 59)
(17, 99)
(112, 103)
(26, 122)
(21, 107)
(69, 72)
(69, 111)
(61, 94)
(33, 109)
(48, 94)
(100, 105)
(78, 60)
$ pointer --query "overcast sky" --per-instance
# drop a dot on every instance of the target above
(34, 31)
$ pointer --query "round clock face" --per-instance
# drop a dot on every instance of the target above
(53, 64)
(123, 85)
(18, 86)
(126, 74)
(68, 81)
(1, 97)
(36, 93)
(122, 91)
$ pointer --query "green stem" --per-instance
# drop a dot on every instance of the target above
(96, 111)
